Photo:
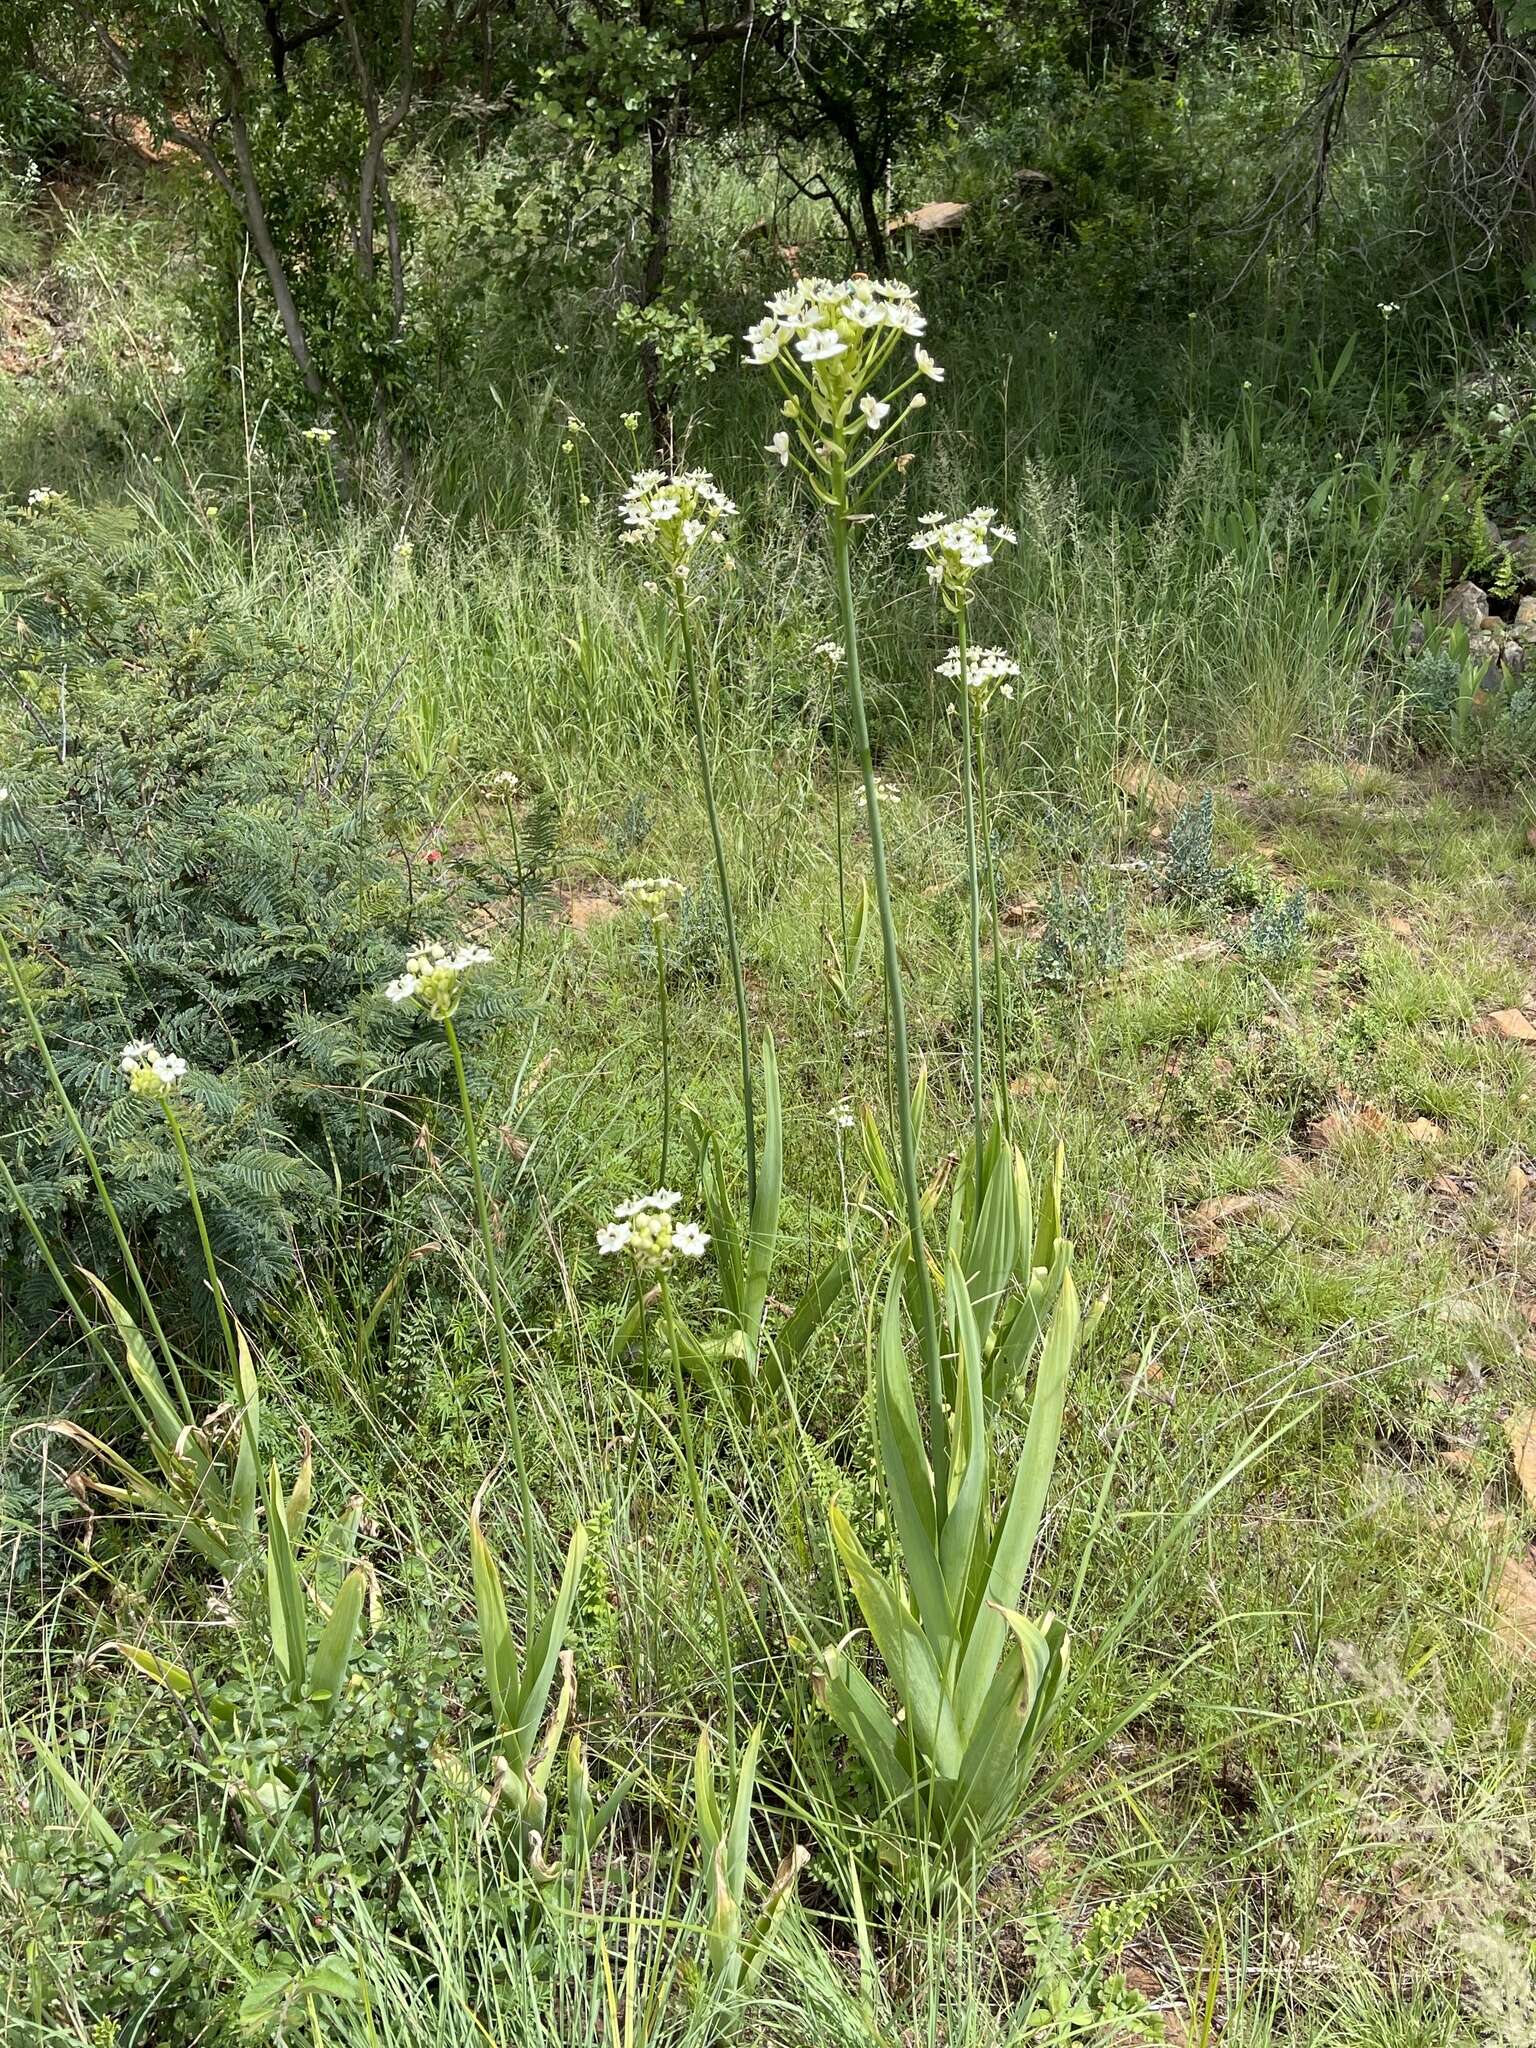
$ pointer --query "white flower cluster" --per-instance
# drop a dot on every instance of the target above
(653, 894)
(986, 672)
(674, 516)
(433, 975)
(505, 783)
(322, 437)
(41, 498)
(957, 548)
(645, 1228)
(828, 345)
(149, 1071)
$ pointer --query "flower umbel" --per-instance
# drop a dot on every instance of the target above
(957, 548)
(986, 672)
(827, 345)
(433, 977)
(673, 518)
(149, 1071)
(653, 894)
(646, 1229)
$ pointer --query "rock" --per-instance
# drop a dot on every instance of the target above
(1418, 633)
(1464, 604)
(1522, 552)
(1482, 646)
(938, 219)
(1034, 184)
(1513, 1025)
(1512, 656)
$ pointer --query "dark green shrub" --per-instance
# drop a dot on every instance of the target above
(202, 842)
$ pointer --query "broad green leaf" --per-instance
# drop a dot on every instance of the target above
(706, 1806)
(741, 1816)
(811, 1310)
(864, 1718)
(167, 1422)
(148, 1665)
(722, 1227)
(907, 1473)
(549, 1742)
(245, 1483)
(496, 1652)
(970, 1467)
(544, 1648)
(81, 1803)
(763, 1229)
(909, 1658)
(780, 1894)
(285, 1596)
(333, 1652)
(1014, 1541)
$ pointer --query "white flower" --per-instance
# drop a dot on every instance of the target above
(5, 793)
(885, 793)
(828, 345)
(830, 651)
(779, 447)
(1387, 307)
(40, 499)
(986, 672)
(670, 516)
(957, 548)
(843, 1118)
(150, 1072)
(505, 780)
(631, 422)
(928, 367)
(321, 436)
(653, 894)
(403, 550)
(645, 1228)
(433, 975)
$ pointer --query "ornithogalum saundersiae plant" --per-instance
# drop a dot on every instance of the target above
(433, 980)
(679, 523)
(838, 355)
(654, 896)
(956, 550)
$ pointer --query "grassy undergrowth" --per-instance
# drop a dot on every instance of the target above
(1288, 1797)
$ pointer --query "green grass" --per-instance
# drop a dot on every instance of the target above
(1290, 1736)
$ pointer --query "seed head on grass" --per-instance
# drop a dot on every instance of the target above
(434, 977)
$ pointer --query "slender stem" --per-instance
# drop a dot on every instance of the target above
(974, 878)
(657, 924)
(72, 1116)
(700, 1513)
(706, 776)
(895, 1001)
(522, 889)
(999, 1013)
(174, 1123)
(493, 1289)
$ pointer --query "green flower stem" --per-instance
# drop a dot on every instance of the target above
(522, 888)
(498, 1313)
(707, 1530)
(896, 1004)
(706, 776)
(978, 1093)
(173, 1123)
(657, 933)
(999, 1014)
(72, 1117)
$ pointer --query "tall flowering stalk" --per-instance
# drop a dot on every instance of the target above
(828, 347)
(433, 981)
(654, 894)
(680, 522)
(156, 1076)
(955, 550)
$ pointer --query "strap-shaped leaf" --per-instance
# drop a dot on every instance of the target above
(333, 1652)
(81, 1803)
(497, 1654)
(864, 1718)
(763, 1227)
(286, 1620)
(167, 1422)
(722, 1227)
(300, 1495)
(741, 1816)
(544, 1647)
(246, 1478)
(1027, 1324)
(992, 1242)
(781, 1892)
(172, 1676)
(706, 1806)
(909, 1658)
(1048, 1224)
(970, 1460)
(907, 1473)
(549, 1742)
(813, 1307)
(1014, 1540)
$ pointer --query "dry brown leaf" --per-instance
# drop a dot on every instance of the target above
(1458, 1458)
(1520, 1435)
(1517, 1182)
(1511, 1024)
(1514, 1599)
(1202, 949)
(1399, 927)
(1224, 1209)
(1144, 784)
(1423, 1131)
(1347, 1122)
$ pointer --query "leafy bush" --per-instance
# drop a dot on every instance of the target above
(202, 842)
